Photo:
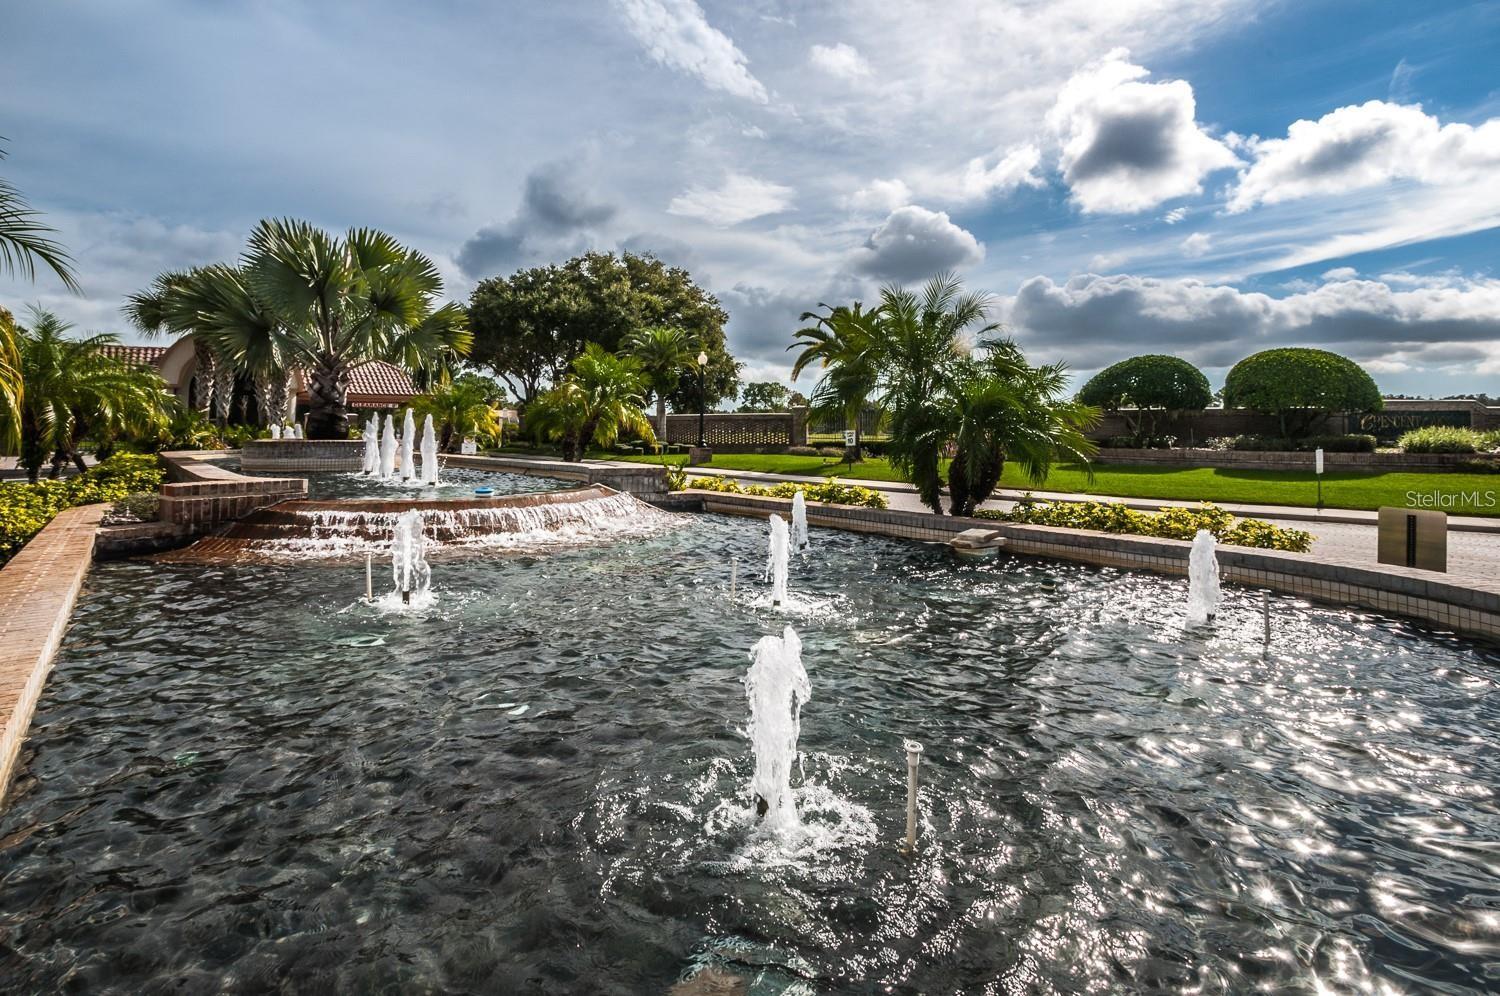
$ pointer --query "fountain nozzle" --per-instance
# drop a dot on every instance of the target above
(913, 758)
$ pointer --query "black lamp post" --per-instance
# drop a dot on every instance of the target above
(702, 394)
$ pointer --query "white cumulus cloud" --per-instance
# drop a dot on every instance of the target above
(881, 196)
(1129, 145)
(914, 243)
(1197, 244)
(841, 60)
(1366, 145)
(676, 33)
(739, 198)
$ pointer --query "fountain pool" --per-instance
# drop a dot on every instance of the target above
(455, 482)
(243, 778)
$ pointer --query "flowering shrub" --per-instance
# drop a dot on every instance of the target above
(1170, 523)
(830, 492)
(26, 508)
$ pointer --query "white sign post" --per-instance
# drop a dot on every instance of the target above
(849, 437)
(1318, 469)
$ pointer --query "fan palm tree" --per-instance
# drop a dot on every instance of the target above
(922, 337)
(303, 299)
(72, 390)
(25, 241)
(663, 353)
(601, 397)
(1002, 408)
(462, 407)
(844, 344)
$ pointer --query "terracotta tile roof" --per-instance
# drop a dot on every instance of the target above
(148, 356)
(378, 385)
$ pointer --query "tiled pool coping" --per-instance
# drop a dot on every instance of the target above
(1461, 605)
(37, 591)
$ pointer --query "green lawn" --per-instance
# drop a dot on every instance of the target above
(1474, 494)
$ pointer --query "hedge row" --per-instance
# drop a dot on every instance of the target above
(26, 508)
(1448, 439)
(1169, 523)
(831, 492)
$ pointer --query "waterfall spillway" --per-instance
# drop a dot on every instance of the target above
(429, 453)
(388, 449)
(344, 530)
(778, 555)
(409, 556)
(372, 445)
(408, 441)
(1203, 579)
(776, 686)
(799, 522)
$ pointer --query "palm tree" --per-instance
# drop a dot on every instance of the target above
(12, 387)
(73, 390)
(602, 396)
(663, 353)
(462, 407)
(303, 299)
(844, 343)
(25, 241)
(1002, 408)
(921, 338)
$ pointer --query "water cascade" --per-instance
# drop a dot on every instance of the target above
(294, 531)
(275, 432)
(799, 523)
(388, 449)
(776, 686)
(409, 556)
(372, 445)
(1203, 580)
(776, 561)
(408, 440)
(429, 453)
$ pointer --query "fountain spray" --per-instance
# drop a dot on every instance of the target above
(776, 687)
(799, 523)
(388, 449)
(408, 440)
(1203, 580)
(776, 560)
(372, 445)
(409, 556)
(429, 453)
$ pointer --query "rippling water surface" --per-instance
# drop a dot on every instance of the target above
(453, 482)
(242, 780)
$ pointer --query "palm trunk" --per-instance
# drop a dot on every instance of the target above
(263, 399)
(328, 393)
(224, 378)
(207, 365)
(661, 417)
(968, 493)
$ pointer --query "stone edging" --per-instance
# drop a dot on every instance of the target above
(37, 591)
(303, 454)
(1469, 608)
(1286, 459)
(201, 496)
(644, 480)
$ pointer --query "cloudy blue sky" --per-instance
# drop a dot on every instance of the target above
(1203, 177)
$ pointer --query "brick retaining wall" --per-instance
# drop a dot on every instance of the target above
(1288, 460)
(203, 496)
(279, 455)
(727, 432)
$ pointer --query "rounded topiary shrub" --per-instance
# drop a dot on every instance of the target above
(1148, 384)
(1299, 385)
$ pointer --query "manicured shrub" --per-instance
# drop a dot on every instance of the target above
(26, 508)
(829, 492)
(1298, 386)
(1147, 385)
(1441, 439)
(1170, 523)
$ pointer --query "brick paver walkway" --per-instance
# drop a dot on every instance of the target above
(37, 591)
